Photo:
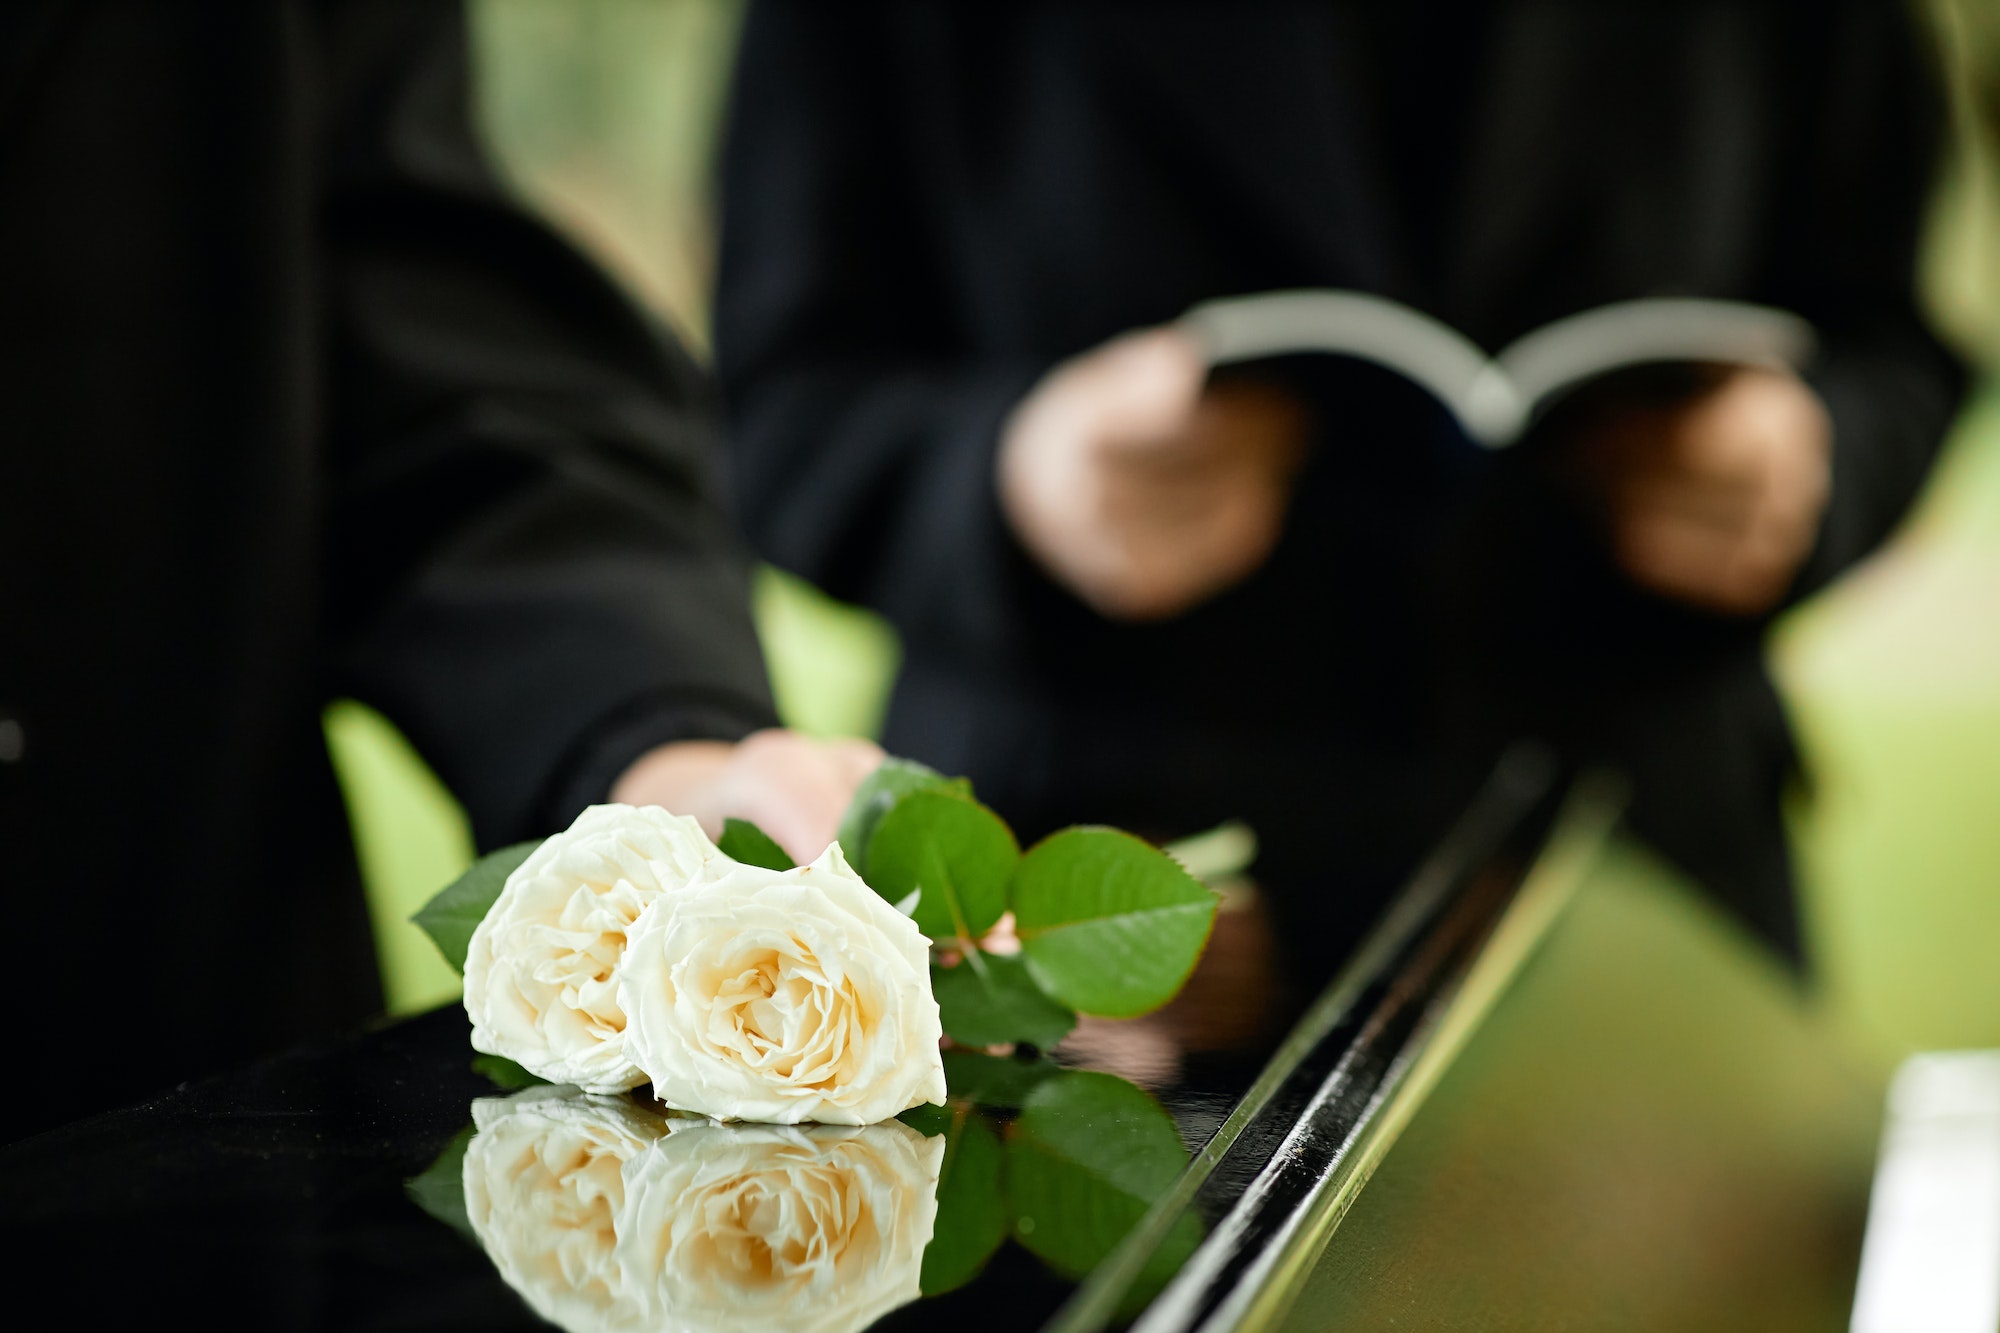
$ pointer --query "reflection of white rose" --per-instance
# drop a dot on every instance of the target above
(782, 997)
(605, 1217)
(540, 974)
(815, 1229)
(544, 1188)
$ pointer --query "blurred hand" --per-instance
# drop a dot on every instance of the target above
(1141, 486)
(791, 786)
(1715, 501)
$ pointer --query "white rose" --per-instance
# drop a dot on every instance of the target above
(606, 1217)
(815, 1229)
(544, 1188)
(541, 980)
(782, 997)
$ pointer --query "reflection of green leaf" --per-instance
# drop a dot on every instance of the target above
(440, 1189)
(993, 1080)
(927, 1119)
(1086, 1158)
(955, 850)
(1004, 1005)
(878, 793)
(451, 917)
(744, 841)
(1109, 924)
(505, 1073)
(971, 1216)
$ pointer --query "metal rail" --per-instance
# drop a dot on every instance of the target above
(1275, 1179)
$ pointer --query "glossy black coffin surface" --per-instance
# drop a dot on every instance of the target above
(269, 1198)
(279, 1197)
(276, 1197)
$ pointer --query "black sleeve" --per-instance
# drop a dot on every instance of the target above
(529, 571)
(862, 424)
(1846, 243)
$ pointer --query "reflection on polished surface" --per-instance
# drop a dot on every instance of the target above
(604, 1215)
(1063, 1161)
(342, 1187)
(313, 1191)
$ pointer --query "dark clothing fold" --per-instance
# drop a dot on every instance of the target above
(927, 205)
(300, 406)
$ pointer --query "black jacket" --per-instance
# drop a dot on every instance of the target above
(298, 405)
(926, 205)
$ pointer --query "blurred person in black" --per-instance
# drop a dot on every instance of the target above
(953, 236)
(297, 404)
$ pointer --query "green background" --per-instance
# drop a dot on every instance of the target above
(603, 112)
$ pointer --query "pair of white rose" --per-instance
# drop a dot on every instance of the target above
(607, 1218)
(630, 950)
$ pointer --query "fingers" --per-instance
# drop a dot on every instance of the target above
(1188, 552)
(1717, 504)
(793, 787)
(855, 759)
(1729, 507)
(682, 777)
(1732, 574)
(1141, 387)
(1142, 487)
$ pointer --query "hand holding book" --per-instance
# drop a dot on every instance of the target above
(1145, 486)
(1141, 485)
(1714, 501)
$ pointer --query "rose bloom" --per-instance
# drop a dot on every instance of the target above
(541, 981)
(604, 1216)
(782, 997)
(816, 1229)
(544, 1188)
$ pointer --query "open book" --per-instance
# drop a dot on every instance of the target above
(1495, 398)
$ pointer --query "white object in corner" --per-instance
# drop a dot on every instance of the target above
(1931, 1259)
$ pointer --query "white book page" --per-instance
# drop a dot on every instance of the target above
(1494, 398)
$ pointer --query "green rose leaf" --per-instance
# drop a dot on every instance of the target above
(744, 841)
(1003, 1005)
(1086, 1158)
(1108, 924)
(955, 851)
(504, 1073)
(451, 917)
(971, 1216)
(440, 1189)
(994, 1080)
(889, 783)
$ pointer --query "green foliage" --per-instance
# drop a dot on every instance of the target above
(994, 1080)
(927, 1118)
(971, 1214)
(744, 841)
(504, 1073)
(955, 851)
(440, 1189)
(410, 836)
(1002, 1005)
(831, 664)
(879, 792)
(451, 917)
(1068, 1177)
(1088, 1156)
(1109, 924)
